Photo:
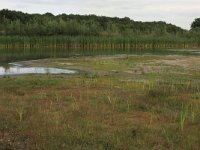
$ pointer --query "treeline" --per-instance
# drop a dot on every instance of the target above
(23, 24)
(22, 30)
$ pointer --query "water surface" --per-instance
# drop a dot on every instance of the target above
(17, 69)
(11, 55)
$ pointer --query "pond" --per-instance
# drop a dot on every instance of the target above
(17, 69)
(11, 55)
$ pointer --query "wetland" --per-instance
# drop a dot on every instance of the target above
(138, 100)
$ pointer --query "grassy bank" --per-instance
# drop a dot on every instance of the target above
(118, 102)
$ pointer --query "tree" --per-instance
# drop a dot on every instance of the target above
(196, 23)
(19, 23)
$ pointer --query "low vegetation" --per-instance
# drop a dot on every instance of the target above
(116, 102)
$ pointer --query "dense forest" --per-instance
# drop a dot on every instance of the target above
(18, 23)
(18, 29)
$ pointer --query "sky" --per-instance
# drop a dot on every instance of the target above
(179, 12)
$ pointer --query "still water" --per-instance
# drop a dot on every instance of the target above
(11, 55)
(17, 69)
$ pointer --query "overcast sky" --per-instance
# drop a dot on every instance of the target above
(178, 12)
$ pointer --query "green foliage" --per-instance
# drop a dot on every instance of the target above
(19, 23)
(196, 23)
(22, 30)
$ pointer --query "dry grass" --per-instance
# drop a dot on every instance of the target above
(101, 109)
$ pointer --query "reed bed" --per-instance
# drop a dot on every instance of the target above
(96, 42)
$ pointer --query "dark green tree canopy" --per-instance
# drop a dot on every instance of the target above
(196, 23)
(19, 23)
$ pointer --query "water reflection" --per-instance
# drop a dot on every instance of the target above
(9, 55)
(16, 69)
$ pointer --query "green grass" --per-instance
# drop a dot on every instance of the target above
(101, 109)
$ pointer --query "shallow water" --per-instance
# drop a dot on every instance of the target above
(10, 55)
(17, 69)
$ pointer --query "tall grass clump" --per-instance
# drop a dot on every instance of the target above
(183, 116)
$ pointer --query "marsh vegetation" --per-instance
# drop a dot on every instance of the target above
(116, 102)
(138, 85)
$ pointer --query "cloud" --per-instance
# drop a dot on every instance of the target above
(179, 12)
